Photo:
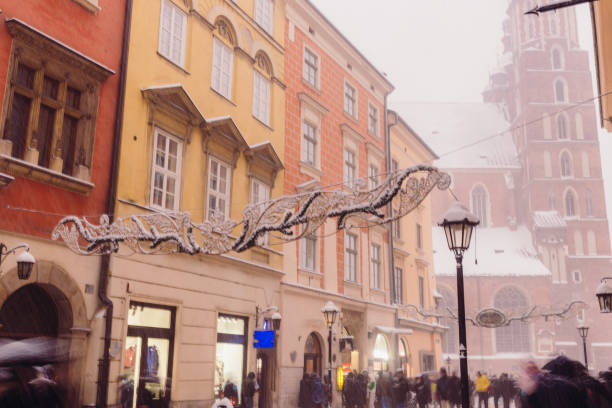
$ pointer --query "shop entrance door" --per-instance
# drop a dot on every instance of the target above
(264, 380)
(147, 363)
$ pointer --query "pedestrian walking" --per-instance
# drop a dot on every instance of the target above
(399, 390)
(249, 388)
(545, 390)
(383, 390)
(305, 396)
(423, 391)
(318, 392)
(442, 388)
(454, 390)
(482, 388)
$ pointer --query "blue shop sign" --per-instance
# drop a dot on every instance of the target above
(263, 339)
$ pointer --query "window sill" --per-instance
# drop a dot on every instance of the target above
(310, 86)
(352, 283)
(174, 64)
(89, 5)
(308, 169)
(263, 123)
(309, 272)
(222, 96)
(44, 175)
(348, 115)
(378, 290)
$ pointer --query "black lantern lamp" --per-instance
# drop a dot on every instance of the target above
(25, 260)
(330, 311)
(583, 331)
(604, 296)
(276, 321)
(458, 224)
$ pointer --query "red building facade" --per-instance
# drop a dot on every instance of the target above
(59, 70)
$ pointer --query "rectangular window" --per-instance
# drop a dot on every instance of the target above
(264, 14)
(261, 97)
(260, 193)
(372, 120)
(232, 347)
(427, 362)
(398, 278)
(349, 168)
(309, 144)
(166, 178)
(375, 266)
(308, 253)
(350, 98)
(222, 68)
(148, 352)
(311, 67)
(395, 226)
(172, 33)
(219, 184)
(373, 176)
(421, 291)
(350, 258)
(419, 236)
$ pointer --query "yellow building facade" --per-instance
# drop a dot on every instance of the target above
(420, 351)
(203, 133)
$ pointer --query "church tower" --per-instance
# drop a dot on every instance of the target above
(546, 86)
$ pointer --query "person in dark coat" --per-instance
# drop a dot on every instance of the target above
(575, 372)
(507, 389)
(399, 389)
(454, 390)
(423, 391)
(442, 387)
(318, 392)
(362, 389)
(249, 389)
(542, 389)
(349, 389)
(383, 390)
(495, 391)
(305, 396)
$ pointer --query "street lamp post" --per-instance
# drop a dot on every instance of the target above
(330, 311)
(25, 260)
(458, 224)
(583, 331)
(448, 363)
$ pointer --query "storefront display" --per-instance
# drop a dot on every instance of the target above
(230, 363)
(381, 353)
(147, 360)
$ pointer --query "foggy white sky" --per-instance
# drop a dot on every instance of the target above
(439, 50)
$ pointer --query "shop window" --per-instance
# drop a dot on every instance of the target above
(148, 355)
(230, 363)
(381, 353)
(52, 100)
(312, 355)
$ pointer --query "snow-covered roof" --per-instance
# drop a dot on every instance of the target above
(500, 252)
(548, 219)
(455, 130)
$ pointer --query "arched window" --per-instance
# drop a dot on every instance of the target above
(480, 202)
(591, 242)
(561, 126)
(552, 201)
(557, 61)
(586, 167)
(262, 79)
(566, 165)
(450, 339)
(223, 58)
(404, 357)
(578, 248)
(312, 355)
(588, 203)
(547, 165)
(570, 204)
(560, 91)
(514, 337)
(579, 128)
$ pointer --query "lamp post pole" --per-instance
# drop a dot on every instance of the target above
(586, 363)
(463, 365)
(583, 331)
(330, 311)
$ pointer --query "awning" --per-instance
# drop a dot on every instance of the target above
(393, 330)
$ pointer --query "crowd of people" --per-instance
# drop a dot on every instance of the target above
(561, 383)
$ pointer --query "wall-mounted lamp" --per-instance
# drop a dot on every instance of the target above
(276, 316)
(25, 260)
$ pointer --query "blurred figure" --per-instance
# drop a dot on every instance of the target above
(305, 397)
(249, 388)
(318, 392)
(482, 388)
(222, 401)
(383, 390)
(545, 390)
(399, 389)
(423, 391)
(442, 388)
(454, 390)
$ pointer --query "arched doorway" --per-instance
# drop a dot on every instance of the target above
(312, 355)
(36, 319)
(381, 353)
(404, 357)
